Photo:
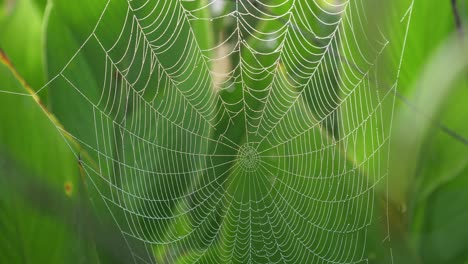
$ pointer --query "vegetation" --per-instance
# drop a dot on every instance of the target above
(233, 131)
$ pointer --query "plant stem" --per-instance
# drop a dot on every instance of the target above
(456, 15)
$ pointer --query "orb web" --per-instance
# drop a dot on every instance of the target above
(235, 148)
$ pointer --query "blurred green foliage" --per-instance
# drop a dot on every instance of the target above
(51, 209)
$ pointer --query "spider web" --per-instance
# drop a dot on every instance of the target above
(235, 149)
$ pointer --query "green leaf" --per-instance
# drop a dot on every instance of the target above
(23, 41)
(442, 238)
(431, 154)
(430, 94)
(439, 157)
(34, 149)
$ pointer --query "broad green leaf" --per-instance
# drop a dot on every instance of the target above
(430, 94)
(442, 236)
(435, 158)
(34, 149)
(23, 41)
(445, 153)
(423, 46)
(425, 36)
(422, 41)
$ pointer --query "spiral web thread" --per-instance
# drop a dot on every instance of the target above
(289, 71)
